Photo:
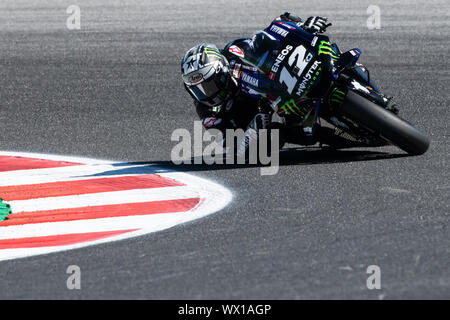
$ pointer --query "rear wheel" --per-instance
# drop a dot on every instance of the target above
(385, 124)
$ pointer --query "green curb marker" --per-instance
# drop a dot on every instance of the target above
(5, 210)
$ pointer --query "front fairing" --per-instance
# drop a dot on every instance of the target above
(308, 64)
(289, 63)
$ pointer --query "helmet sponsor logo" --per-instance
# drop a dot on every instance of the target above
(211, 53)
(195, 78)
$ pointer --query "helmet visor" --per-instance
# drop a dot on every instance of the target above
(212, 91)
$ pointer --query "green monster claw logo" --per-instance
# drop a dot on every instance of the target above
(5, 210)
(338, 96)
(212, 53)
(291, 108)
(325, 48)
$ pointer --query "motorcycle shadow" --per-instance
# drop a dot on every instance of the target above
(287, 157)
(317, 155)
(290, 156)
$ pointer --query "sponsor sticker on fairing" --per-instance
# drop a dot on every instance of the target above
(237, 51)
(237, 70)
(286, 25)
(249, 79)
(307, 78)
(354, 52)
(279, 31)
(280, 58)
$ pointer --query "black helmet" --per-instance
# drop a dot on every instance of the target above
(206, 75)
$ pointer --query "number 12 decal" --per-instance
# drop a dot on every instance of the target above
(298, 62)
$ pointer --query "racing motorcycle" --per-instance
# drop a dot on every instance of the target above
(307, 69)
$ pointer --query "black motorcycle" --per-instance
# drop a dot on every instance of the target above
(308, 70)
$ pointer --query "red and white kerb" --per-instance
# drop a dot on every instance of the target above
(61, 203)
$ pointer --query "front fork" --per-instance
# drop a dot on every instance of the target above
(358, 79)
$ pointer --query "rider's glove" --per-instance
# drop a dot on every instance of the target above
(212, 122)
(316, 24)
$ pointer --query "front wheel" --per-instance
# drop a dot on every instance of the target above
(385, 124)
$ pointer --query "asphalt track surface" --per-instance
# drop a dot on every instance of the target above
(112, 90)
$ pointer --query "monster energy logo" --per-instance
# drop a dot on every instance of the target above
(338, 96)
(325, 48)
(291, 108)
(311, 75)
(213, 53)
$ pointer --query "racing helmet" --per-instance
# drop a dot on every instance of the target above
(206, 75)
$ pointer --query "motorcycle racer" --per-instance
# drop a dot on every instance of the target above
(227, 95)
